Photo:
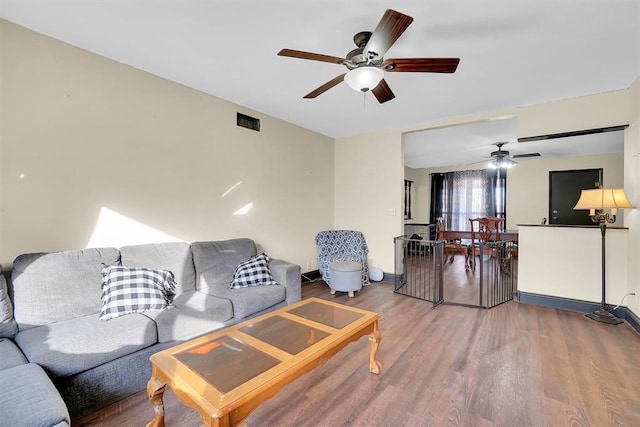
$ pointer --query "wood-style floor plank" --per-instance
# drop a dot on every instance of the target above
(513, 365)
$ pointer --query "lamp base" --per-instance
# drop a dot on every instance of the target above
(604, 316)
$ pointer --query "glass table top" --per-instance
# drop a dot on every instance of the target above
(326, 314)
(226, 362)
(286, 334)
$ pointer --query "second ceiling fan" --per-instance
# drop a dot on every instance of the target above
(502, 159)
(366, 63)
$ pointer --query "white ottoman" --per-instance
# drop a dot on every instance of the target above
(345, 276)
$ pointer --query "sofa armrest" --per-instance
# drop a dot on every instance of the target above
(288, 275)
(8, 325)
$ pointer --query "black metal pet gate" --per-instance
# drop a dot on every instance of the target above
(419, 271)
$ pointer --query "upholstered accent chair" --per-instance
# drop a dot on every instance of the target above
(342, 245)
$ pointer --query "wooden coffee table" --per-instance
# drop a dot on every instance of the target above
(227, 374)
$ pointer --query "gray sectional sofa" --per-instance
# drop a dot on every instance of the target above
(54, 326)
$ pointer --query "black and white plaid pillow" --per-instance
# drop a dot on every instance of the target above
(133, 290)
(253, 272)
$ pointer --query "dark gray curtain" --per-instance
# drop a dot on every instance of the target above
(458, 196)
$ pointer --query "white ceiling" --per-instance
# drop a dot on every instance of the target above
(513, 52)
(471, 144)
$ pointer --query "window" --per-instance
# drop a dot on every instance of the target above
(458, 196)
(408, 188)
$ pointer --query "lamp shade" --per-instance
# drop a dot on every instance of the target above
(364, 78)
(603, 198)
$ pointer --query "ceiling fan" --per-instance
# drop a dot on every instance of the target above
(501, 159)
(366, 63)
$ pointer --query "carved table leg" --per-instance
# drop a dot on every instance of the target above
(155, 391)
(374, 365)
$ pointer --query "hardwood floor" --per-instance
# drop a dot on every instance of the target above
(460, 285)
(513, 365)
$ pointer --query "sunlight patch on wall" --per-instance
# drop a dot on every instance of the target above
(114, 229)
(244, 210)
(233, 187)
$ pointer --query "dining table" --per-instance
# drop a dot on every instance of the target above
(456, 235)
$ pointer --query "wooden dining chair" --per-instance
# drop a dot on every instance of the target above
(484, 230)
(452, 247)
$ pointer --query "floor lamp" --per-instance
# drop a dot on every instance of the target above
(597, 201)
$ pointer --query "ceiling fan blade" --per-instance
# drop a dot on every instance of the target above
(325, 87)
(389, 29)
(421, 65)
(383, 92)
(309, 55)
(520, 156)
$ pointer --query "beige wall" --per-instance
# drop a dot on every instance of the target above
(369, 191)
(632, 189)
(97, 153)
(528, 183)
(585, 112)
(566, 262)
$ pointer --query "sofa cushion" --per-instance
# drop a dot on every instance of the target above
(75, 345)
(10, 355)
(253, 272)
(134, 290)
(52, 287)
(29, 398)
(8, 325)
(173, 256)
(215, 263)
(248, 301)
(193, 313)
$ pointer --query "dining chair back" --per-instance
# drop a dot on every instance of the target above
(483, 230)
(452, 247)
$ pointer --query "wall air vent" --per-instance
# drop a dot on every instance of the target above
(248, 122)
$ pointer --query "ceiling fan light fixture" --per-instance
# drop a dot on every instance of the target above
(363, 79)
(501, 163)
